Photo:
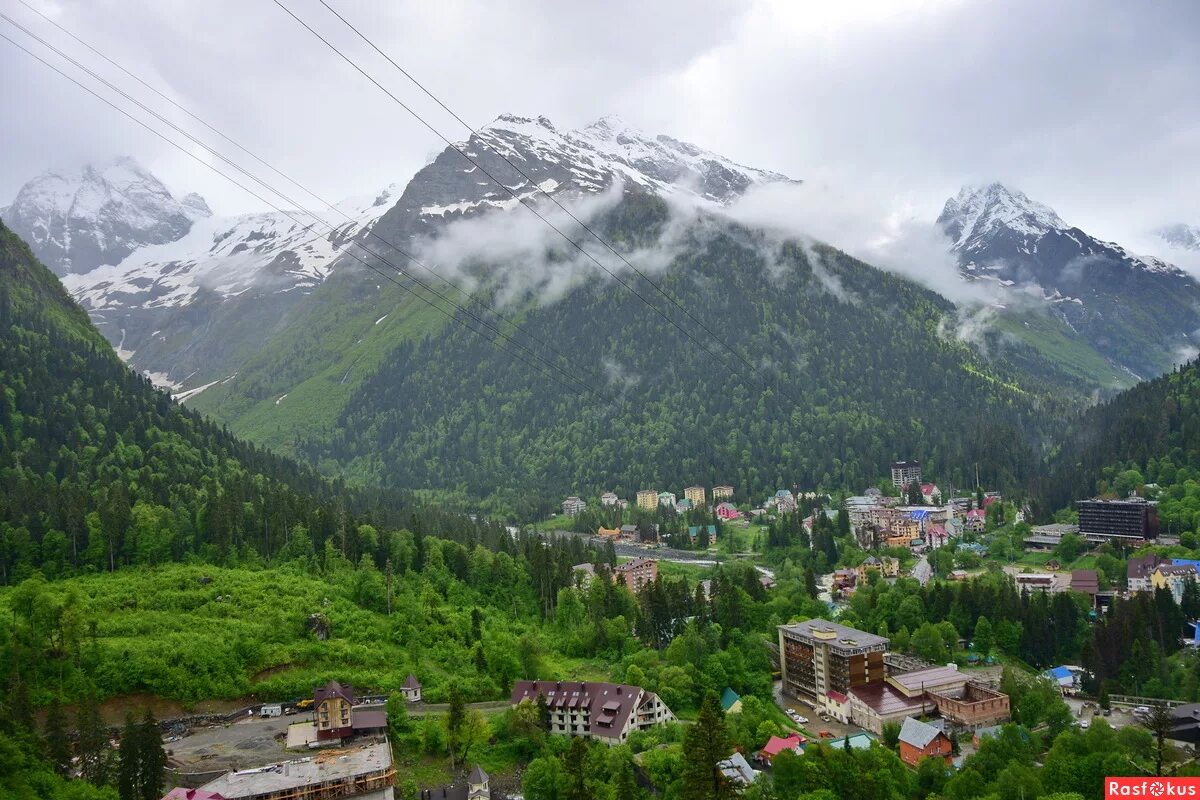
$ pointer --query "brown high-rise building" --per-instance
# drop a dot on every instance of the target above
(818, 657)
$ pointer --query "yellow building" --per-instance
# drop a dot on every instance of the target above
(647, 499)
(696, 495)
(722, 493)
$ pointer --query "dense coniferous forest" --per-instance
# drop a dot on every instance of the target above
(1149, 434)
(98, 469)
(852, 368)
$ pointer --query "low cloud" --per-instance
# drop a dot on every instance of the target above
(884, 232)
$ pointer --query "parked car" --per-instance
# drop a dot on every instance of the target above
(1085, 724)
(825, 734)
(801, 720)
(1108, 712)
(791, 712)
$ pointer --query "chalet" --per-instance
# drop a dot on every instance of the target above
(777, 744)
(609, 533)
(920, 740)
(693, 532)
(683, 506)
(477, 787)
(731, 701)
(609, 499)
(929, 491)
(608, 712)
(1173, 577)
(1139, 568)
(331, 707)
(728, 511)
(666, 499)
(976, 520)
(180, 793)
(411, 689)
(573, 506)
(336, 716)
(630, 532)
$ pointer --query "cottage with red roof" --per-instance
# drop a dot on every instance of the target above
(976, 520)
(838, 706)
(608, 712)
(180, 793)
(776, 745)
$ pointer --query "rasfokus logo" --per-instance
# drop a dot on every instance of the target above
(1151, 787)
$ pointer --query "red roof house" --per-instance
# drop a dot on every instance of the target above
(776, 745)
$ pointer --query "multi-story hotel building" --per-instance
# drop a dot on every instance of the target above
(818, 657)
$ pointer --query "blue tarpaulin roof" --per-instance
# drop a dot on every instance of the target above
(920, 514)
(1059, 672)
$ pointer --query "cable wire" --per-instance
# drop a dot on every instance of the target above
(573, 379)
(533, 209)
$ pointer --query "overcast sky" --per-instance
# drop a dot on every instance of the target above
(1090, 106)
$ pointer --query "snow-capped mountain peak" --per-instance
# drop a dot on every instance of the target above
(1180, 236)
(978, 213)
(610, 148)
(78, 219)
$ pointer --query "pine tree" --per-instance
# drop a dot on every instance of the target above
(575, 762)
(626, 785)
(58, 744)
(705, 744)
(128, 760)
(152, 758)
(93, 743)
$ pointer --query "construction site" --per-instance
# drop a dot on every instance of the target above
(363, 772)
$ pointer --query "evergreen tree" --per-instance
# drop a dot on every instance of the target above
(626, 786)
(152, 758)
(915, 498)
(58, 744)
(706, 743)
(129, 760)
(93, 742)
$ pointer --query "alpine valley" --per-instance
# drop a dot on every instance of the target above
(278, 329)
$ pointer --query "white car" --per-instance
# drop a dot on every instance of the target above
(1085, 724)
(791, 712)
(800, 720)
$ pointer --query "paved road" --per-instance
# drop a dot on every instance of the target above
(815, 724)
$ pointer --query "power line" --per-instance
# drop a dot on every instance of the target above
(578, 382)
(522, 201)
(469, 299)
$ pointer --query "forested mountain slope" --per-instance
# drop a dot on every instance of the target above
(1150, 433)
(853, 367)
(99, 469)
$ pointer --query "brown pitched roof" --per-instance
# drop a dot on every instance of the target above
(411, 682)
(334, 689)
(609, 705)
(1142, 566)
(1085, 580)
